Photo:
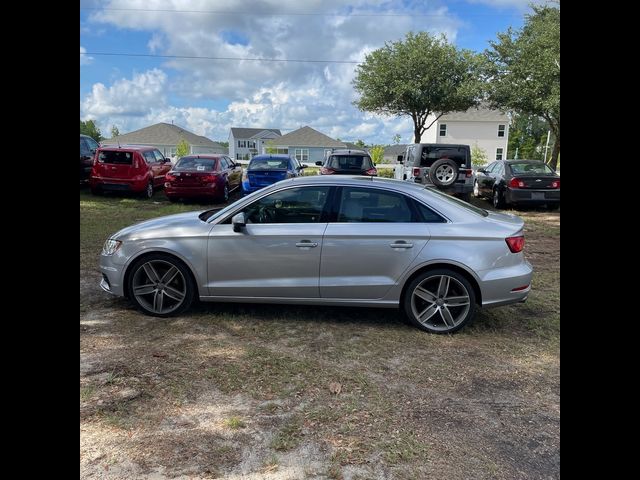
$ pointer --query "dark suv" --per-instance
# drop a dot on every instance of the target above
(348, 162)
(88, 147)
(446, 166)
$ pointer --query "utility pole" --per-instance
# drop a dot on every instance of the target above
(516, 157)
(546, 147)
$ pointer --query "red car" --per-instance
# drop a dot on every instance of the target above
(203, 176)
(128, 168)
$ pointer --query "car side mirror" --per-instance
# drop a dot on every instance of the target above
(238, 222)
(319, 163)
(482, 170)
(302, 166)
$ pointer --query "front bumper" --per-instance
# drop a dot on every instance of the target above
(112, 274)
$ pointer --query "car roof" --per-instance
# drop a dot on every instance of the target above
(522, 161)
(210, 156)
(349, 151)
(127, 147)
(278, 156)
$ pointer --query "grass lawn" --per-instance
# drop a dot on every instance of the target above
(290, 392)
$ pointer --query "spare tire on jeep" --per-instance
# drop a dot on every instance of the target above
(443, 172)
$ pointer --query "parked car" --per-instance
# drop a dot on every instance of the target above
(203, 176)
(446, 166)
(265, 170)
(88, 147)
(348, 162)
(518, 182)
(327, 240)
(128, 168)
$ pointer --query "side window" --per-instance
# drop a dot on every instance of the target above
(149, 157)
(92, 144)
(370, 205)
(84, 149)
(294, 205)
(410, 156)
(230, 162)
(223, 163)
(491, 166)
(158, 155)
(428, 215)
(500, 169)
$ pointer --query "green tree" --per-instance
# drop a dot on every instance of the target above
(478, 156)
(114, 131)
(527, 136)
(377, 153)
(525, 70)
(91, 129)
(269, 147)
(183, 148)
(419, 76)
(397, 138)
(360, 143)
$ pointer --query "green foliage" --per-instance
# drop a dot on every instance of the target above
(269, 147)
(417, 77)
(183, 148)
(527, 137)
(360, 143)
(224, 144)
(397, 138)
(524, 67)
(478, 156)
(114, 131)
(377, 153)
(91, 129)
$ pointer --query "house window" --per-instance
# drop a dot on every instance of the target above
(242, 156)
(242, 144)
(501, 130)
(302, 154)
(499, 153)
(251, 144)
(443, 129)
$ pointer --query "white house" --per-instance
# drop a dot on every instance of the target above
(165, 137)
(482, 127)
(245, 143)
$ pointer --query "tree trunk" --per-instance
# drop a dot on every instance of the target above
(553, 163)
(416, 132)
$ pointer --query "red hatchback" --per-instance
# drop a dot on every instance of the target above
(203, 176)
(128, 168)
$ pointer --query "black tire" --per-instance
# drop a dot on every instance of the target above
(180, 281)
(148, 191)
(457, 287)
(498, 199)
(224, 198)
(443, 172)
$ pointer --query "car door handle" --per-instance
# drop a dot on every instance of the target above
(306, 243)
(401, 244)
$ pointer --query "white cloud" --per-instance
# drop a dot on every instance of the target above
(521, 5)
(84, 59)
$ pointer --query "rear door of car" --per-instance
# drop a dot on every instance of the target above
(375, 237)
(155, 166)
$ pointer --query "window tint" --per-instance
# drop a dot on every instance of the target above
(530, 168)
(91, 143)
(294, 205)
(269, 164)
(116, 157)
(431, 154)
(84, 149)
(158, 155)
(223, 163)
(500, 169)
(491, 166)
(149, 157)
(371, 205)
(194, 164)
(350, 162)
(428, 215)
(478, 211)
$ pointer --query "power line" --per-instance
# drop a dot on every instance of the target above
(115, 54)
(308, 14)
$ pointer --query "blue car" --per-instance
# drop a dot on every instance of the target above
(264, 170)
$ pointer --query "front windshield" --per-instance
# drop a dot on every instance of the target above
(269, 164)
(195, 164)
(530, 168)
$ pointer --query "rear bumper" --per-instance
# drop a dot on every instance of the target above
(172, 191)
(526, 196)
(247, 188)
(117, 184)
(498, 285)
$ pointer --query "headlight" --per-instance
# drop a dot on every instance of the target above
(111, 246)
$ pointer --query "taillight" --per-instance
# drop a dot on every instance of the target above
(516, 244)
(372, 172)
(207, 178)
(169, 177)
(468, 173)
(516, 183)
(245, 175)
(416, 172)
(555, 184)
(327, 171)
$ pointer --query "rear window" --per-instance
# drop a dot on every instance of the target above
(460, 203)
(350, 162)
(195, 164)
(269, 164)
(116, 157)
(529, 168)
(431, 154)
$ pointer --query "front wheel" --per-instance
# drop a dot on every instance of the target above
(160, 285)
(440, 301)
(498, 198)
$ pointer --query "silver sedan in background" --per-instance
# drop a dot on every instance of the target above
(327, 240)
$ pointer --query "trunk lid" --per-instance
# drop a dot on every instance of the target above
(115, 164)
(262, 178)
(192, 179)
(537, 181)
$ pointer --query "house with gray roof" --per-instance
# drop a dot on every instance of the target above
(305, 144)
(166, 137)
(245, 143)
(480, 127)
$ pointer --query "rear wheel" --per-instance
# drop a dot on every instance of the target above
(225, 193)
(148, 191)
(440, 301)
(498, 198)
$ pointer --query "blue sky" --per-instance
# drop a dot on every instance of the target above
(210, 96)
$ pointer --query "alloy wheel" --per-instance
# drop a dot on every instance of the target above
(440, 303)
(159, 286)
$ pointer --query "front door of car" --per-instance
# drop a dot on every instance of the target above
(235, 173)
(375, 239)
(154, 166)
(277, 253)
(485, 180)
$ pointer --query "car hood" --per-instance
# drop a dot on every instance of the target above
(180, 224)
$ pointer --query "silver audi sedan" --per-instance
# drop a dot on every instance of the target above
(327, 240)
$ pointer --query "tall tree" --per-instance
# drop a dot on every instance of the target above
(91, 129)
(377, 154)
(525, 70)
(183, 148)
(114, 131)
(360, 143)
(397, 138)
(419, 76)
(527, 136)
